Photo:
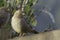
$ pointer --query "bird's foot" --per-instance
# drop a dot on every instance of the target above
(22, 34)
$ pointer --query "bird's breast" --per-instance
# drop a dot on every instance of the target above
(16, 24)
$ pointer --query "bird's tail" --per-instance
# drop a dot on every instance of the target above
(34, 31)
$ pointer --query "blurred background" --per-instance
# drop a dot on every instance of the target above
(43, 19)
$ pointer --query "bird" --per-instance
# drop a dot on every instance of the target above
(20, 25)
(4, 16)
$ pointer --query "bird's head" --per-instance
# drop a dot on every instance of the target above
(19, 13)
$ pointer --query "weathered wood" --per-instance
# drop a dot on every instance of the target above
(4, 16)
(4, 19)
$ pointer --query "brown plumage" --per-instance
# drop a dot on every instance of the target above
(4, 16)
(19, 24)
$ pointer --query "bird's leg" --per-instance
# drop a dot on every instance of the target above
(22, 34)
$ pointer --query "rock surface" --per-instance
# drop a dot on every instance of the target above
(52, 35)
